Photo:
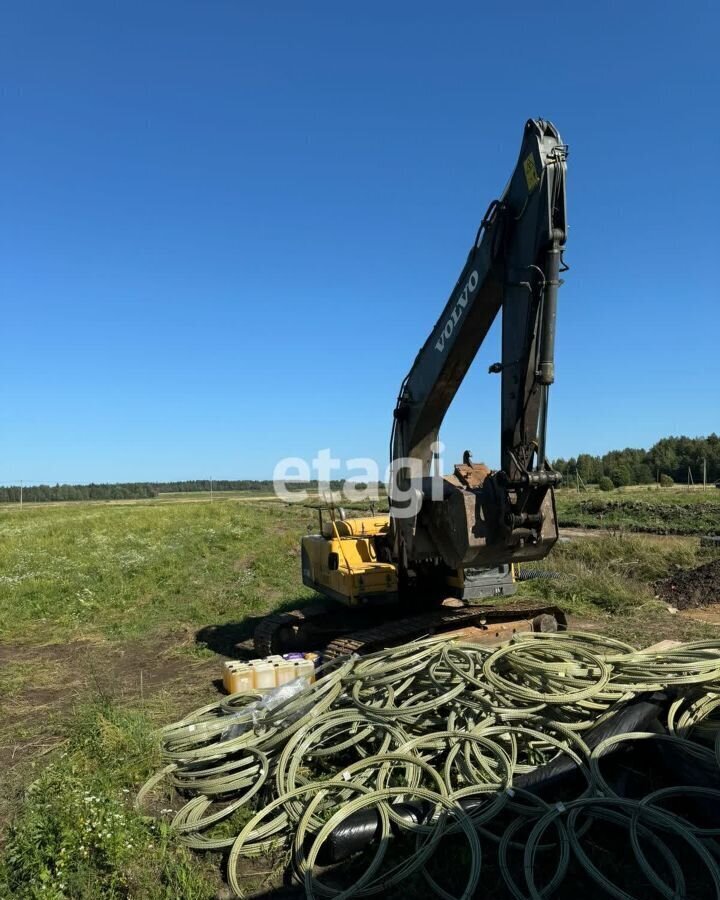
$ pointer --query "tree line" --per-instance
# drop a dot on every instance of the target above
(139, 490)
(671, 457)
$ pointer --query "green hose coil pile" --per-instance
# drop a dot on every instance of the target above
(434, 723)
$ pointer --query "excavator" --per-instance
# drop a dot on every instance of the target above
(448, 549)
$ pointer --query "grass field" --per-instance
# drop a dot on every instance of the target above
(116, 570)
(114, 618)
(642, 509)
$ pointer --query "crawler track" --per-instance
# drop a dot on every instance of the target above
(337, 631)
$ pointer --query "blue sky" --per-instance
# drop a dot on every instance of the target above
(227, 227)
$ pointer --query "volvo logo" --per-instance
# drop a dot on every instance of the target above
(459, 309)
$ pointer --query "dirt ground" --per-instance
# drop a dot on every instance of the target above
(692, 588)
(43, 684)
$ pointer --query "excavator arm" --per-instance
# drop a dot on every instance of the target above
(478, 518)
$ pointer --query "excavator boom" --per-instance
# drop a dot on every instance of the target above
(513, 266)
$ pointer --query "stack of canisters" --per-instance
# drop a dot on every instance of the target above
(263, 674)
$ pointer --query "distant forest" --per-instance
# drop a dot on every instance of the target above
(138, 490)
(671, 456)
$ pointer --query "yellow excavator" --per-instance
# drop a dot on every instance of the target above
(449, 543)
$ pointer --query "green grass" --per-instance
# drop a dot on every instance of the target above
(121, 580)
(216, 497)
(118, 571)
(663, 511)
(610, 579)
(76, 834)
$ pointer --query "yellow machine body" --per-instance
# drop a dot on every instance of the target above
(341, 562)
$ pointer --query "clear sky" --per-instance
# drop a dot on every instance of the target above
(227, 227)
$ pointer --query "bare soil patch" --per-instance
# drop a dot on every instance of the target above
(43, 684)
(692, 588)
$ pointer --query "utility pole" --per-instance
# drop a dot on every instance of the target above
(704, 473)
(21, 487)
(211, 490)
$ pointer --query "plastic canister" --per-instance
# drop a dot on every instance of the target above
(286, 671)
(306, 667)
(228, 667)
(240, 679)
(264, 676)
